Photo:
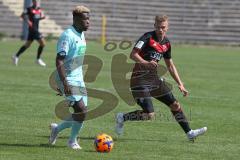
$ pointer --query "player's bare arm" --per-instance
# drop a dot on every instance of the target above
(62, 75)
(137, 58)
(24, 16)
(42, 16)
(174, 73)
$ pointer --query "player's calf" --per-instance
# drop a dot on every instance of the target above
(179, 116)
(80, 111)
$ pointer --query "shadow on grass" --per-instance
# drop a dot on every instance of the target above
(66, 137)
(91, 151)
(121, 139)
(117, 139)
(29, 145)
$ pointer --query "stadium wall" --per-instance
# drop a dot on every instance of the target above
(191, 21)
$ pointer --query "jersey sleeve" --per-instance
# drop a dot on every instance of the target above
(168, 55)
(142, 42)
(63, 45)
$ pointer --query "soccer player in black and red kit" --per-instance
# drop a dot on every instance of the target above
(145, 83)
(33, 15)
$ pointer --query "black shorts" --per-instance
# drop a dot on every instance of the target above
(143, 94)
(34, 35)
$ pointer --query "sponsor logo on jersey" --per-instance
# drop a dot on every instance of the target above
(139, 44)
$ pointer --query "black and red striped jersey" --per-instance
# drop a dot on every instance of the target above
(34, 15)
(151, 49)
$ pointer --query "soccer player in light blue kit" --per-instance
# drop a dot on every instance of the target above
(71, 48)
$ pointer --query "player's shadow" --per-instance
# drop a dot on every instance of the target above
(117, 139)
(120, 139)
(67, 137)
(81, 138)
(91, 151)
(29, 145)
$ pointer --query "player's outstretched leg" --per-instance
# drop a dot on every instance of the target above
(183, 122)
(15, 57)
(57, 128)
(138, 115)
(147, 113)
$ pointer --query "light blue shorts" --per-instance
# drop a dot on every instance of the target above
(78, 90)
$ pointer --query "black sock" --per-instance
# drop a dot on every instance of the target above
(181, 119)
(40, 49)
(134, 116)
(21, 50)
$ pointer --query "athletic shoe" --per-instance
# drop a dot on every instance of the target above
(54, 133)
(74, 145)
(197, 132)
(15, 60)
(40, 62)
(119, 123)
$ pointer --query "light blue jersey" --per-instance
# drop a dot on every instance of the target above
(72, 45)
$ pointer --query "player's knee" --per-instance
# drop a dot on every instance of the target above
(175, 106)
(80, 111)
(42, 45)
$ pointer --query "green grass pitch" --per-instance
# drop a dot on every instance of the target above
(211, 74)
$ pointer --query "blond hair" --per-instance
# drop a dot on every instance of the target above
(161, 18)
(80, 9)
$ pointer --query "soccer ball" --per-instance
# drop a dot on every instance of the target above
(103, 143)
